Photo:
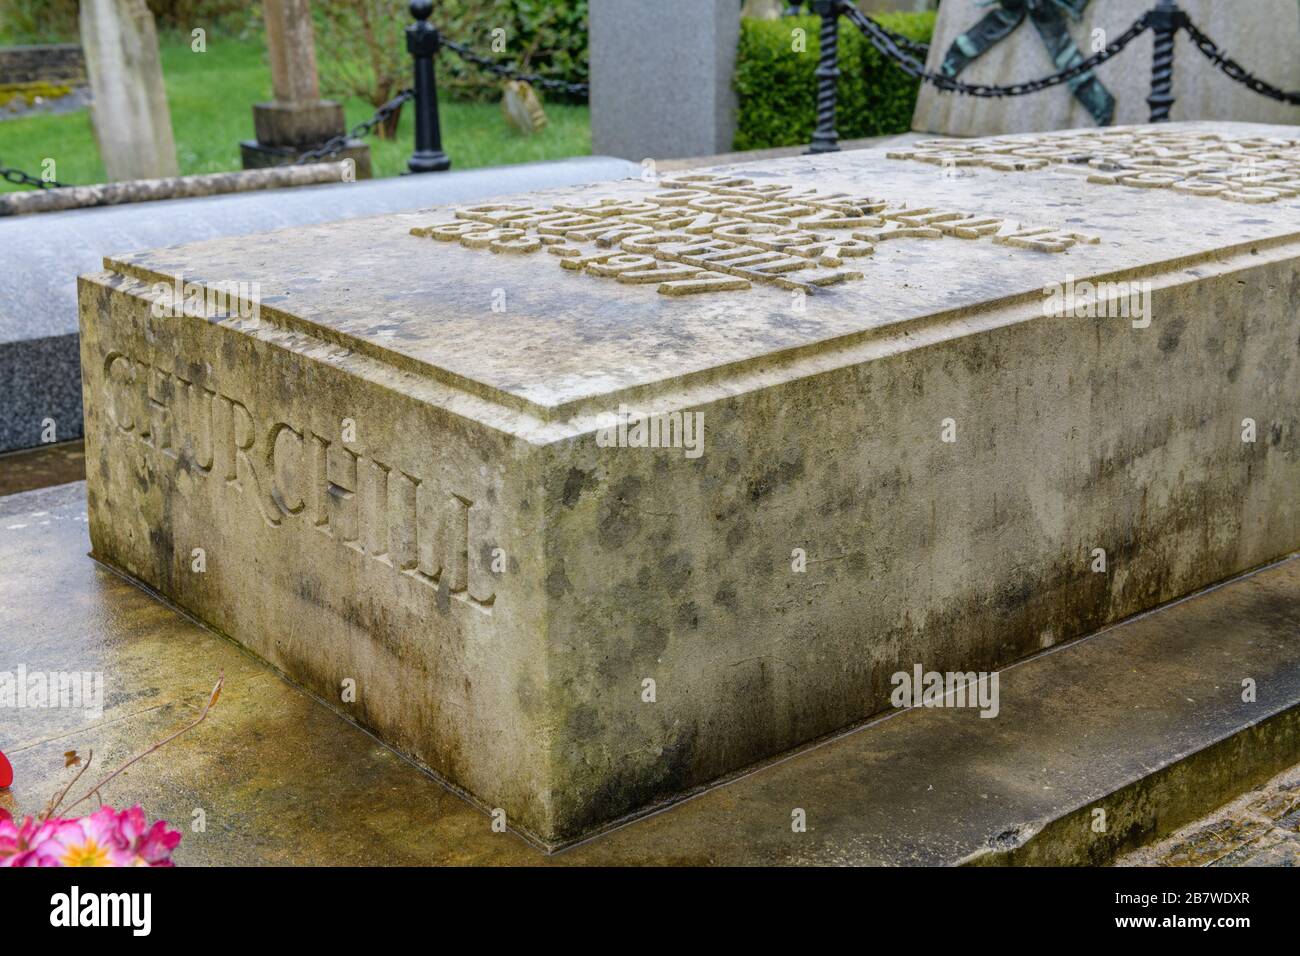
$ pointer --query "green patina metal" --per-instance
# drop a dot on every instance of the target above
(1051, 19)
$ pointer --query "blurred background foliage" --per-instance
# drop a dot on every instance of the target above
(55, 21)
(360, 44)
(211, 95)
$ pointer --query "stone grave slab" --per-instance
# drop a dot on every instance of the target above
(130, 113)
(590, 497)
(40, 377)
(1262, 35)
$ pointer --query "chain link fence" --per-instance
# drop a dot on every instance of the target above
(469, 56)
(364, 128)
(511, 73)
(910, 56)
(1235, 70)
(20, 178)
(884, 42)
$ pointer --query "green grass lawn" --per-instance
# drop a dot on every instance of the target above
(211, 96)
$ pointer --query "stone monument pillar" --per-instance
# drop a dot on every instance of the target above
(297, 119)
(130, 116)
(661, 77)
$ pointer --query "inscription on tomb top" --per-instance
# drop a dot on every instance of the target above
(716, 233)
(1254, 169)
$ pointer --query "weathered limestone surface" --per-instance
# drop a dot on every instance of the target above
(397, 474)
(1262, 35)
(40, 368)
(133, 125)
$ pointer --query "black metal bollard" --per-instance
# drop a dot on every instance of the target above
(1166, 20)
(825, 138)
(423, 43)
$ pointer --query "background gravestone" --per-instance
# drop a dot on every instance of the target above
(132, 123)
(297, 119)
(763, 9)
(1262, 35)
(661, 77)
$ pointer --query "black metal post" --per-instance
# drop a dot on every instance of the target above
(423, 43)
(825, 138)
(1166, 20)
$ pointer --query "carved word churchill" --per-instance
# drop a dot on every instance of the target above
(293, 475)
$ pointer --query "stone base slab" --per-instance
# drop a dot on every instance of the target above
(297, 124)
(40, 379)
(1138, 722)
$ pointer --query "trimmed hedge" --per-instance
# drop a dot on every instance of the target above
(777, 89)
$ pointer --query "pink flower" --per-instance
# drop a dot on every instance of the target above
(106, 837)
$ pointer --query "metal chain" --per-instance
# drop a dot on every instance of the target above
(1235, 70)
(536, 79)
(20, 178)
(908, 65)
(364, 128)
(914, 47)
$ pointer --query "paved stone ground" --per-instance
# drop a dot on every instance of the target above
(1260, 828)
(42, 467)
(886, 795)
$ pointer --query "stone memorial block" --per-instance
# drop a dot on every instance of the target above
(588, 497)
(1027, 42)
